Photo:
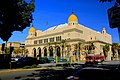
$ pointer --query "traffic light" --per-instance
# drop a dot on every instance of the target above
(114, 16)
(3, 46)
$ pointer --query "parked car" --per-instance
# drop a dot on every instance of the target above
(43, 60)
(53, 60)
(93, 73)
(23, 61)
(4, 60)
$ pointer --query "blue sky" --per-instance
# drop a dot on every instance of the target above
(90, 13)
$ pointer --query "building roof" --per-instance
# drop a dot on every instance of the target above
(57, 27)
(72, 17)
(32, 29)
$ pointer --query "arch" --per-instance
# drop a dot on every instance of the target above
(39, 52)
(58, 51)
(51, 51)
(34, 52)
(45, 52)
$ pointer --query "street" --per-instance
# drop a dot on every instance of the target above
(15, 74)
(38, 74)
(50, 71)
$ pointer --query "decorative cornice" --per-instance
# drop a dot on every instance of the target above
(57, 33)
(95, 41)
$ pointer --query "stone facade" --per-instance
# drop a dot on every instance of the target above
(65, 40)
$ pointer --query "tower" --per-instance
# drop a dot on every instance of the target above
(72, 20)
(103, 31)
(32, 32)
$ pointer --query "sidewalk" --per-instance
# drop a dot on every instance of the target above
(111, 62)
(4, 71)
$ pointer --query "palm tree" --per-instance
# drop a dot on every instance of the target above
(63, 45)
(106, 49)
(49, 48)
(78, 51)
(75, 51)
(55, 43)
(91, 47)
(114, 49)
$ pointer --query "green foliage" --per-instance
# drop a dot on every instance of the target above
(7, 50)
(33, 66)
(15, 15)
(26, 67)
(106, 48)
(115, 47)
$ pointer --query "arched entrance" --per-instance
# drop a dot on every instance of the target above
(39, 52)
(34, 52)
(45, 52)
(51, 51)
(58, 51)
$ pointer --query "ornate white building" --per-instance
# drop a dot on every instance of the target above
(64, 40)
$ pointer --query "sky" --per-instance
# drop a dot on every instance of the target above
(90, 13)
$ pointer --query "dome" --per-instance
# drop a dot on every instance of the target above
(32, 29)
(72, 17)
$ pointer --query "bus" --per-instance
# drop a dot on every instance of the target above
(94, 58)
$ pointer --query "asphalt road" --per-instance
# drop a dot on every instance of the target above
(38, 74)
(15, 75)
(21, 74)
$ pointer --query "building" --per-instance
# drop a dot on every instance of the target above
(15, 46)
(65, 40)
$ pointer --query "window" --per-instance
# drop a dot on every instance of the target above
(52, 39)
(40, 41)
(91, 38)
(45, 40)
(35, 42)
(58, 38)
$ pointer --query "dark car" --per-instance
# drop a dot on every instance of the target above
(53, 60)
(93, 73)
(43, 60)
(23, 61)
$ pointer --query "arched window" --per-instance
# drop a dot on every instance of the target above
(58, 51)
(73, 23)
(45, 52)
(51, 51)
(34, 52)
(39, 52)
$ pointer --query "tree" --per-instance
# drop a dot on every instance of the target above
(106, 49)
(78, 50)
(63, 44)
(118, 1)
(91, 47)
(15, 15)
(114, 49)
(119, 50)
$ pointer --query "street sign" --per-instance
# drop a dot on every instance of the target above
(114, 16)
